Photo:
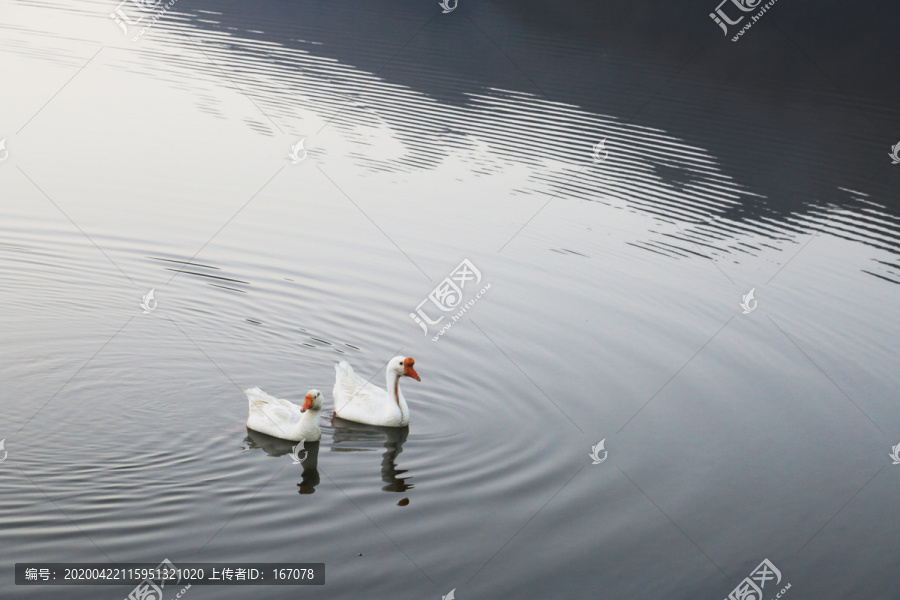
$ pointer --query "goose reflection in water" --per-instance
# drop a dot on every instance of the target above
(274, 446)
(358, 437)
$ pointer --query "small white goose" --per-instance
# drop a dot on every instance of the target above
(356, 400)
(283, 419)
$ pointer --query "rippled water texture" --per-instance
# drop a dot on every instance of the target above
(619, 178)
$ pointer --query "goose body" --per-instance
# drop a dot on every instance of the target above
(284, 419)
(362, 402)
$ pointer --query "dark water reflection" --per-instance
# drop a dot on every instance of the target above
(731, 98)
(358, 437)
(278, 447)
(346, 436)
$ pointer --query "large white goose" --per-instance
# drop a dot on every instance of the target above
(357, 400)
(284, 419)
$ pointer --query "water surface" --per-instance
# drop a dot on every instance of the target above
(613, 311)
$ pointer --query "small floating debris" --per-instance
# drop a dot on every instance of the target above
(184, 262)
(225, 287)
(567, 251)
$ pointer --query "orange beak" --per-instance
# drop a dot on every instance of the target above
(408, 369)
(307, 404)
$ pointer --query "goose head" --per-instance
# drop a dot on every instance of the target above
(313, 401)
(402, 366)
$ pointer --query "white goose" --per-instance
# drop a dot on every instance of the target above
(356, 400)
(283, 419)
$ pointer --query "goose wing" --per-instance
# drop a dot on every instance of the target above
(346, 382)
(271, 408)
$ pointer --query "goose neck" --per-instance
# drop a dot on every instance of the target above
(392, 380)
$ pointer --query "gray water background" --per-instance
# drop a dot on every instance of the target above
(613, 311)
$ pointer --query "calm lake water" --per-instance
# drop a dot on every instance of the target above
(620, 178)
